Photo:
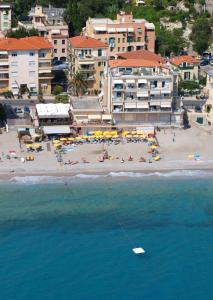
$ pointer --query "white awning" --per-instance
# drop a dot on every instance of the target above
(32, 85)
(111, 30)
(62, 129)
(86, 62)
(44, 71)
(106, 117)
(155, 103)
(131, 29)
(94, 117)
(99, 28)
(3, 52)
(142, 81)
(118, 81)
(130, 105)
(150, 26)
(121, 29)
(142, 94)
(166, 91)
(55, 31)
(143, 105)
(155, 92)
(166, 104)
(130, 81)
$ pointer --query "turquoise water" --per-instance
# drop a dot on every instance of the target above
(73, 240)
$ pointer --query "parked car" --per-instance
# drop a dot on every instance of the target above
(204, 62)
(198, 109)
(18, 110)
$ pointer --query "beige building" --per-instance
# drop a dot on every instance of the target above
(141, 92)
(187, 67)
(89, 57)
(50, 23)
(123, 34)
(5, 17)
(208, 90)
(25, 64)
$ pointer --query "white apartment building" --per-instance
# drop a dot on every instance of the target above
(141, 91)
(25, 64)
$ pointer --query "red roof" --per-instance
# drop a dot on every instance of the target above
(86, 42)
(27, 43)
(178, 60)
(133, 63)
(142, 54)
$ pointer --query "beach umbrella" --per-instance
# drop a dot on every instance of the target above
(153, 147)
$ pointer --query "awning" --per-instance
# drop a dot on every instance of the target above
(55, 31)
(44, 71)
(130, 29)
(130, 81)
(111, 30)
(166, 104)
(94, 117)
(62, 129)
(32, 85)
(100, 28)
(130, 105)
(106, 117)
(3, 52)
(154, 103)
(86, 62)
(121, 29)
(142, 94)
(165, 91)
(142, 81)
(155, 92)
(118, 81)
(143, 105)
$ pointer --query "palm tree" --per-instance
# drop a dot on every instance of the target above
(78, 84)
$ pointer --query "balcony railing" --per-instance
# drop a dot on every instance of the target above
(46, 75)
(87, 70)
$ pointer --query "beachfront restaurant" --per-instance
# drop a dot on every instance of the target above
(54, 119)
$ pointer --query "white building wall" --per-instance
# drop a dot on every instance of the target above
(23, 70)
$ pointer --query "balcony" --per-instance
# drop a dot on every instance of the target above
(45, 76)
(3, 57)
(44, 65)
(86, 70)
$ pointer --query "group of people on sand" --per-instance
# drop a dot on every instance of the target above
(130, 158)
(70, 162)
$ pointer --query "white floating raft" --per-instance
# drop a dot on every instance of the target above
(138, 250)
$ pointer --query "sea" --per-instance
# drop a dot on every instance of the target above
(67, 238)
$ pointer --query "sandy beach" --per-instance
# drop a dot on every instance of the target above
(176, 145)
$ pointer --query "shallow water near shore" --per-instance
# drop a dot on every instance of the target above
(73, 239)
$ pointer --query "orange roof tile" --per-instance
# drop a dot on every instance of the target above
(133, 63)
(184, 58)
(86, 42)
(142, 54)
(27, 43)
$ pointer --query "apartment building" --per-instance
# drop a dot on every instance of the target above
(123, 34)
(141, 91)
(49, 21)
(89, 57)
(208, 91)
(25, 64)
(186, 66)
(5, 17)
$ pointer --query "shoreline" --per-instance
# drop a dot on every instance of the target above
(7, 176)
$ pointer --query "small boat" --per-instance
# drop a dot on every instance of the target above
(138, 250)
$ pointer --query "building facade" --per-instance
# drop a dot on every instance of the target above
(208, 91)
(141, 91)
(89, 57)
(25, 64)
(50, 23)
(5, 17)
(123, 34)
(187, 67)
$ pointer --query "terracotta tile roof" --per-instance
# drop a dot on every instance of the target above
(27, 43)
(184, 58)
(142, 54)
(86, 42)
(133, 63)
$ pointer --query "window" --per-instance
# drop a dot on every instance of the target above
(163, 83)
(101, 73)
(118, 49)
(139, 39)
(104, 64)
(14, 64)
(32, 73)
(99, 63)
(139, 30)
(123, 49)
(14, 74)
(55, 50)
(32, 63)
(32, 53)
(119, 40)
(99, 52)
(63, 42)
(187, 76)
(14, 54)
(63, 50)
(55, 42)
(123, 40)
